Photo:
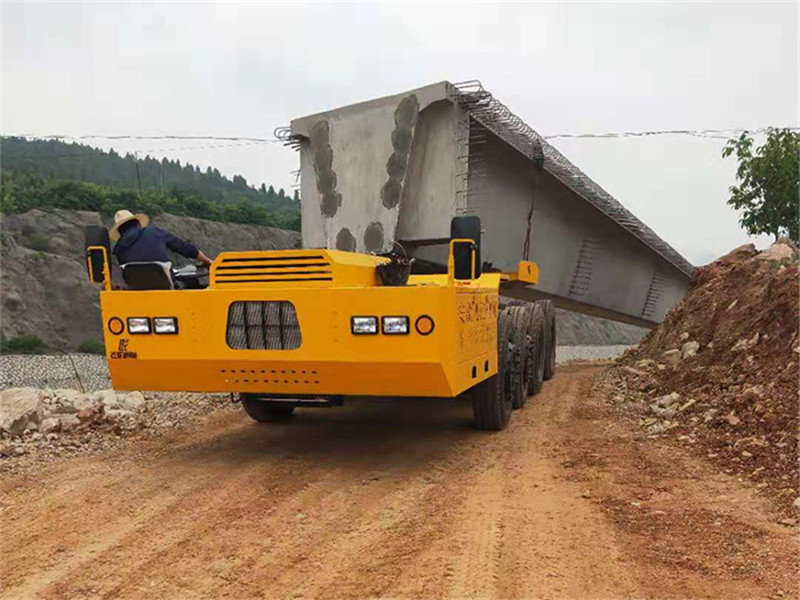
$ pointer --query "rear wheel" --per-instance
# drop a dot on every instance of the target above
(538, 349)
(518, 360)
(550, 338)
(491, 402)
(265, 411)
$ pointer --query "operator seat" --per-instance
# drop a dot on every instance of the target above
(148, 275)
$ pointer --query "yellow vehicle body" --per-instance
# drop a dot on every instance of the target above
(326, 288)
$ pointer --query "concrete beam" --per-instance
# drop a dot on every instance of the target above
(401, 167)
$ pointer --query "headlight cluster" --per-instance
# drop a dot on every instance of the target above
(159, 325)
(390, 325)
(364, 325)
(394, 325)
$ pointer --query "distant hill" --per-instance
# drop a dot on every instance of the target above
(33, 168)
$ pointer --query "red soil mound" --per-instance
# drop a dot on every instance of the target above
(732, 354)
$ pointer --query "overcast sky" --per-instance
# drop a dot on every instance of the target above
(243, 69)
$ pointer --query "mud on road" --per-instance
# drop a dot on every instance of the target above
(397, 500)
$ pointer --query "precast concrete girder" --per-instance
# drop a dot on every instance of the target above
(399, 168)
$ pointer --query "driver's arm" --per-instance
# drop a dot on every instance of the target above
(203, 258)
(184, 248)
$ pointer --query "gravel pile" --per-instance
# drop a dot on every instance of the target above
(38, 427)
(566, 354)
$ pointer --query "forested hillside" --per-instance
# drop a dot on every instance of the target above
(55, 174)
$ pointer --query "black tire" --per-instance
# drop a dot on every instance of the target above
(491, 402)
(265, 411)
(537, 350)
(518, 362)
(549, 337)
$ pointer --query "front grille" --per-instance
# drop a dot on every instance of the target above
(237, 269)
(263, 326)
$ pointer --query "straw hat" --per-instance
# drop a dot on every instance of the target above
(123, 216)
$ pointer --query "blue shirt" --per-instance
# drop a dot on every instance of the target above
(149, 244)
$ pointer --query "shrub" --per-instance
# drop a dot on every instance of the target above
(24, 344)
(39, 242)
(92, 346)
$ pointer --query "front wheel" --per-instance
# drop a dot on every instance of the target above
(264, 411)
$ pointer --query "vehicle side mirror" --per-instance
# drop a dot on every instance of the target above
(468, 228)
(98, 253)
(463, 256)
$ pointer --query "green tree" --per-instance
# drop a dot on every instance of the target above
(768, 182)
(240, 182)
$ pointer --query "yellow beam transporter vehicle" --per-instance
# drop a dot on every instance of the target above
(288, 328)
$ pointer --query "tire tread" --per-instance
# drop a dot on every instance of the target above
(491, 404)
(518, 362)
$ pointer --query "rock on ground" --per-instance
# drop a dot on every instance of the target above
(671, 357)
(20, 408)
(689, 349)
(52, 425)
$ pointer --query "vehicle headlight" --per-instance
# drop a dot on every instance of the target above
(138, 325)
(395, 325)
(165, 325)
(364, 325)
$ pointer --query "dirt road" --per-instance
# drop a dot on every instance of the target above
(397, 500)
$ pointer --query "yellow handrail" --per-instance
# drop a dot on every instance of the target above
(106, 272)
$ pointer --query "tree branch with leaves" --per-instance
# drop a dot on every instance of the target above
(767, 191)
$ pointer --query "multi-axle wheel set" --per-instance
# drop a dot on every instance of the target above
(526, 357)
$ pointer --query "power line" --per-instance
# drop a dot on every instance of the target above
(702, 133)
(213, 138)
(723, 134)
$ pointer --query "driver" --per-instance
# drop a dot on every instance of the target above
(136, 242)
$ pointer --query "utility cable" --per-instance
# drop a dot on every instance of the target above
(703, 133)
(213, 138)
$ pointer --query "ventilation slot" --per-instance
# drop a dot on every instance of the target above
(653, 295)
(582, 277)
(263, 326)
(273, 269)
